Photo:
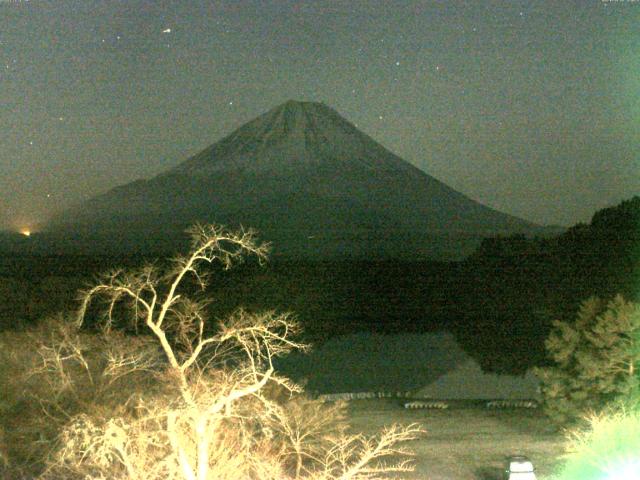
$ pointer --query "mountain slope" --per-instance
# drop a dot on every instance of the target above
(308, 180)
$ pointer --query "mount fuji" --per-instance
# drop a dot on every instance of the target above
(309, 181)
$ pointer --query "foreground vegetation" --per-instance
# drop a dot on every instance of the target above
(144, 386)
(606, 448)
(596, 360)
(159, 393)
(593, 386)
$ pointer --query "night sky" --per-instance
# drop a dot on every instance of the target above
(530, 107)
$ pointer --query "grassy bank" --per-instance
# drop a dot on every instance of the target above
(466, 442)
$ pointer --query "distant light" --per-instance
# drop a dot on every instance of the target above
(166, 30)
(25, 232)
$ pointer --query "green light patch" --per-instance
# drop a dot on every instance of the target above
(609, 449)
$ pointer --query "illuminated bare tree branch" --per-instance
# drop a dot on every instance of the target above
(212, 417)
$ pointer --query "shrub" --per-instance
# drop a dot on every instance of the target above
(607, 449)
(595, 359)
(52, 372)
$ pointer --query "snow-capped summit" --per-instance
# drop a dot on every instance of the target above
(292, 137)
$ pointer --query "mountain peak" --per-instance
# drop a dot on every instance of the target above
(311, 182)
(291, 103)
(293, 136)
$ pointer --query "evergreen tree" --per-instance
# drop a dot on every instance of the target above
(596, 359)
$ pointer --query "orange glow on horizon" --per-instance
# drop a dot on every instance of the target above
(26, 232)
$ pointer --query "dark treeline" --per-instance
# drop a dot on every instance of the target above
(513, 287)
(499, 303)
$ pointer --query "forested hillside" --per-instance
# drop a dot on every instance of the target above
(513, 287)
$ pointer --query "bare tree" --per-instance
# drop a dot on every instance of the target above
(210, 414)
